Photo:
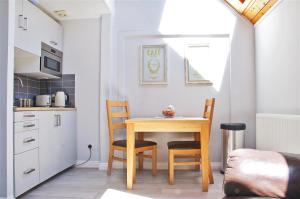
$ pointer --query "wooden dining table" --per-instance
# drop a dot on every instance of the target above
(168, 125)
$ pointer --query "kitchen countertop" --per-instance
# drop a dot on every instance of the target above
(18, 109)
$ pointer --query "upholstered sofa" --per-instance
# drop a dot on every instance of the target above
(253, 174)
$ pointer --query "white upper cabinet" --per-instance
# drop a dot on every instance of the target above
(52, 33)
(33, 27)
(26, 31)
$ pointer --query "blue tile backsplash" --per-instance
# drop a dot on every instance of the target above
(33, 87)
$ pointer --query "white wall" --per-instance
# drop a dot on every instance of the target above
(136, 22)
(148, 101)
(82, 58)
(6, 100)
(277, 40)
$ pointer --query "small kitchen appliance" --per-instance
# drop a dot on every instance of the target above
(51, 61)
(60, 99)
(43, 100)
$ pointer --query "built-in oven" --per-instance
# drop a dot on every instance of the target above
(51, 60)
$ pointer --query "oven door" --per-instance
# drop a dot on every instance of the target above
(51, 64)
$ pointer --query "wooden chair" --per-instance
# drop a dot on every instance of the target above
(190, 149)
(120, 145)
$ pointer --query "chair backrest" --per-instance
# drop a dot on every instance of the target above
(122, 115)
(209, 110)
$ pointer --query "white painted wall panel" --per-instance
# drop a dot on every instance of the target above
(82, 58)
(277, 40)
(7, 12)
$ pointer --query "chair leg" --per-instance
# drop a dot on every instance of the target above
(141, 160)
(110, 161)
(154, 161)
(134, 168)
(171, 167)
(197, 167)
(210, 174)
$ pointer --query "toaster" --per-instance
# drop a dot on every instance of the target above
(43, 100)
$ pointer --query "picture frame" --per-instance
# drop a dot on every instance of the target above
(196, 58)
(153, 65)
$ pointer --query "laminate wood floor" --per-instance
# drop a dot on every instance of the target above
(82, 183)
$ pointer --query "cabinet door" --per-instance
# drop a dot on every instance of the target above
(20, 41)
(52, 33)
(26, 171)
(49, 145)
(27, 27)
(32, 26)
(57, 142)
(68, 138)
(59, 33)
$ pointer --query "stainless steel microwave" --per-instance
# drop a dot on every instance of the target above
(51, 60)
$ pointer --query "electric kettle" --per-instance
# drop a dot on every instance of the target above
(60, 99)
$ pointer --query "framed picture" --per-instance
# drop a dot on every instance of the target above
(153, 67)
(197, 64)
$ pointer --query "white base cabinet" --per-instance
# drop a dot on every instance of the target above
(57, 134)
(45, 144)
(26, 171)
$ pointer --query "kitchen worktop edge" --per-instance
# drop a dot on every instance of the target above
(19, 109)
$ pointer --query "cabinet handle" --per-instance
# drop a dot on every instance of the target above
(28, 115)
(29, 125)
(56, 120)
(27, 140)
(53, 42)
(26, 23)
(20, 21)
(28, 171)
(59, 120)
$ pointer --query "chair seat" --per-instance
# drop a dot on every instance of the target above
(138, 143)
(184, 145)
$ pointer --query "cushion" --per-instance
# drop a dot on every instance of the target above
(262, 173)
(184, 145)
(138, 143)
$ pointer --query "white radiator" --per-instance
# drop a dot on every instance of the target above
(278, 132)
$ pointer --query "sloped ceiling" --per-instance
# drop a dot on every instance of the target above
(252, 9)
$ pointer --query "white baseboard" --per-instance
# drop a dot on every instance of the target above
(147, 165)
(89, 164)
(10, 197)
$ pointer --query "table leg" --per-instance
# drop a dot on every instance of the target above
(130, 155)
(140, 157)
(204, 136)
(197, 158)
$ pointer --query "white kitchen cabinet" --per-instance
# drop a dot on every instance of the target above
(26, 159)
(33, 26)
(26, 126)
(27, 31)
(26, 141)
(25, 116)
(44, 145)
(49, 138)
(52, 33)
(19, 20)
(26, 171)
(57, 138)
(67, 132)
